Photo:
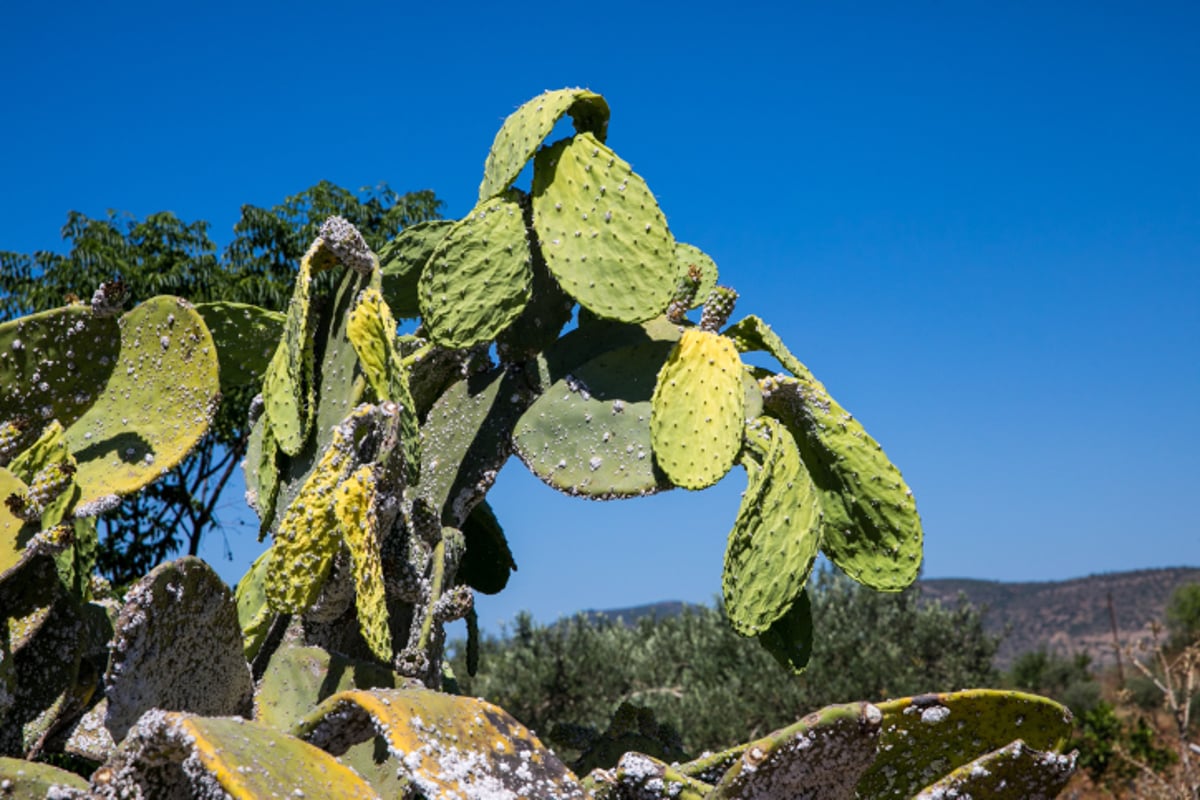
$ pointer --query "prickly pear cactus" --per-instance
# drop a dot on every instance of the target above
(369, 461)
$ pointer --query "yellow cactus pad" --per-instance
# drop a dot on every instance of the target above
(356, 515)
(448, 746)
(372, 331)
(698, 410)
(307, 539)
(226, 757)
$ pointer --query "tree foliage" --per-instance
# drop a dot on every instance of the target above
(1183, 615)
(163, 254)
(715, 687)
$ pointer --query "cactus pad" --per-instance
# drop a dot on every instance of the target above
(177, 647)
(602, 233)
(288, 383)
(870, 527)
(447, 746)
(15, 533)
(775, 538)
(157, 403)
(589, 432)
(479, 278)
(820, 757)
(254, 614)
(790, 638)
(29, 780)
(526, 127)
(246, 337)
(353, 505)
(404, 258)
(1014, 772)
(372, 331)
(698, 410)
(53, 365)
(180, 755)
(487, 562)
(926, 737)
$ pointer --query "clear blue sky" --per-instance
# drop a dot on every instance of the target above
(978, 224)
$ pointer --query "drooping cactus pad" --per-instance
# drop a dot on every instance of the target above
(698, 410)
(601, 230)
(526, 127)
(775, 538)
(869, 527)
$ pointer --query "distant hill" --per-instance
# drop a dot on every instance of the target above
(1071, 616)
(1065, 617)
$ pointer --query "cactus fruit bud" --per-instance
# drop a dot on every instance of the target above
(685, 294)
(22, 507)
(108, 299)
(50, 482)
(348, 245)
(718, 308)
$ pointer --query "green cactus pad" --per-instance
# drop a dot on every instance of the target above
(1014, 772)
(790, 638)
(870, 527)
(589, 433)
(156, 405)
(466, 439)
(601, 231)
(928, 736)
(298, 678)
(751, 334)
(403, 259)
(698, 410)
(353, 505)
(775, 538)
(821, 756)
(372, 332)
(53, 365)
(224, 757)
(529, 125)
(539, 324)
(288, 382)
(262, 473)
(29, 780)
(447, 746)
(246, 337)
(479, 278)
(687, 255)
(487, 562)
(254, 614)
(177, 647)
(342, 387)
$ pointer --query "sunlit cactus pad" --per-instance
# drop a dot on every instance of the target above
(776, 535)
(479, 277)
(448, 746)
(29, 780)
(156, 405)
(245, 336)
(530, 124)
(180, 755)
(601, 230)
(698, 410)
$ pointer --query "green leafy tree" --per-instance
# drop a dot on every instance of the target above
(713, 686)
(1068, 680)
(162, 254)
(1183, 615)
